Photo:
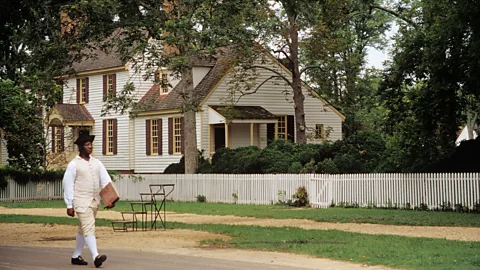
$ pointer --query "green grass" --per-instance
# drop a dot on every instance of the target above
(342, 215)
(392, 251)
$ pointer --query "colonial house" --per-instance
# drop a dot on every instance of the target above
(152, 138)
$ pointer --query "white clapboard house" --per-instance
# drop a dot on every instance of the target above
(153, 139)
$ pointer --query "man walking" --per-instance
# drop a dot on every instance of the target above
(83, 180)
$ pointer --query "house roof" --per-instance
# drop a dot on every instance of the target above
(243, 112)
(154, 101)
(224, 61)
(73, 112)
(100, 60)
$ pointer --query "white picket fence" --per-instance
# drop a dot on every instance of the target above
(51, 190)
(387, 190)
(381, 190)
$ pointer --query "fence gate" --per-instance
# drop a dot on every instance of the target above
(321, 191)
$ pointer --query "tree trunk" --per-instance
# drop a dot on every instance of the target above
(298, 96)
(190, 124)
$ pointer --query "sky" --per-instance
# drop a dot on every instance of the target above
(377, 57)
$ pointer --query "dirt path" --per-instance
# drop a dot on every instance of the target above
(450, 233)
(187, 242)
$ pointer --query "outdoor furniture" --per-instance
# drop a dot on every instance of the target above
(156, 200)
(158, 197)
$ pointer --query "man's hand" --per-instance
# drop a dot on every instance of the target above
(70, 212)
(110, 206)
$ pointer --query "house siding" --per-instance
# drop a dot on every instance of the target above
(152, 163)
(277, 98)
(122, 160)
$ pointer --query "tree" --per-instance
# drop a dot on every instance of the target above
(341, 58)
(433, 79)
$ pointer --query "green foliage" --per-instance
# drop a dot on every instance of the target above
(361, 153)
(23, 177)
(201, 198)
(300, 198)
(20, 117)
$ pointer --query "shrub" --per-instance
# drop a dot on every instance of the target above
(201, 198)
(300, 197)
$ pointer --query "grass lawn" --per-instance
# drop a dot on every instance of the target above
(342, 215)
(388, 250)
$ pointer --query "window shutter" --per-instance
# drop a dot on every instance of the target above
(291, 128)
(53, 139)
(115, 136)
(148, 137)
(86, 90)
(160, 137)
(270, 133)
(114, 84)
(104, 137)
(170, 135)
(182, 136)
(105, 81)
(78, 91)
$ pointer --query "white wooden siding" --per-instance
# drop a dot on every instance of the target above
(152, 163)
(121, 161)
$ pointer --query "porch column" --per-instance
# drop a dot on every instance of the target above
(276, 131)
(251, 134)
(226, 136)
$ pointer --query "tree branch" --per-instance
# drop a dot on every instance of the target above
(274, 71)
(310, 67)
(396, 14)
(256, 89)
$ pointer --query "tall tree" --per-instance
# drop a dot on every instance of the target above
(287, 28)
(433, 79)
(341, 58)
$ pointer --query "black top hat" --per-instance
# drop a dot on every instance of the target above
(82, 139)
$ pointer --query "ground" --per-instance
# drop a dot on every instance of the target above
(188, 242)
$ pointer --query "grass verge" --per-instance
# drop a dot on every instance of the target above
(342, 215)
(392, 251)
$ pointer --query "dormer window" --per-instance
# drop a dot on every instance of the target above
(161, 77)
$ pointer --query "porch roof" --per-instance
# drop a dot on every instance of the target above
(240, 114)
(70, 115)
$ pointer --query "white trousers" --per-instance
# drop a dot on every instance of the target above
(87, 220)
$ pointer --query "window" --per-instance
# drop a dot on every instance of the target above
(319, 132)
(153, 133)
(109, 85)
(82, 90)
(109, 138)
(177, 135)
(154, 137)
(164, 83)
(57, 139)
(176, 140)
(285, 129)
(161, 77)
(282, 128)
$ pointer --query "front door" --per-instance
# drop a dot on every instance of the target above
(219, 137)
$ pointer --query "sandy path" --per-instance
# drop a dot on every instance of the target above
(450, 233)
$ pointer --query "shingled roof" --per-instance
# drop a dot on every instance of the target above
(243, 112)
(74, 112)
(100, 60)
(154, 101)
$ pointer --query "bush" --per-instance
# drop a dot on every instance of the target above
(201, 198)
(300, 197)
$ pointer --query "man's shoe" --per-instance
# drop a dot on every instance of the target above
(79, 261)
(99, 260)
